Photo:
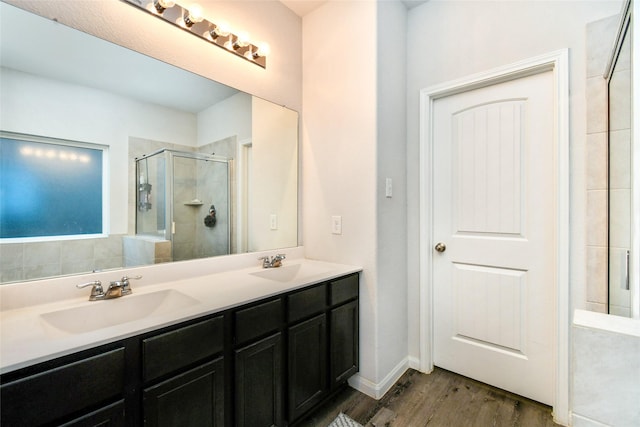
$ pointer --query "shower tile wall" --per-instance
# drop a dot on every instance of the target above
(28, 261)
(212, 192)
(139, 250)
(185, 189)
(600, 37)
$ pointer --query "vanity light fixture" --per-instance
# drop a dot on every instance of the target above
(162, 5)
(189, 17)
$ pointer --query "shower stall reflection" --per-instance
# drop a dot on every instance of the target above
(183, 205)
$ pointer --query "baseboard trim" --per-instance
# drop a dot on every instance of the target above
(377, 391)
(580, 421)
(414, 363)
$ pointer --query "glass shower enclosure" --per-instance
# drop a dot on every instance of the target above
(185, 198)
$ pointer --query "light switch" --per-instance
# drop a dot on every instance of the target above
(336, 224)
(388, 187)
(273, 221)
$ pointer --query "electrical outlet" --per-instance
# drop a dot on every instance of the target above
(273, 221)
(336, 224)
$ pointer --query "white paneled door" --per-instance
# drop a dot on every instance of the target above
(494, 236)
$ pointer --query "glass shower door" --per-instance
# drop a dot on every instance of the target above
(201, 205)
(151, 196)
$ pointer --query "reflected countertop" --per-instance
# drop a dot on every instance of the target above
(26, 338)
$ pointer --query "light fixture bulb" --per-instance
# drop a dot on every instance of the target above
(161, 5)
(263, 50)
(223, 29)
(219, 30)
(194, 15)
(242, 39)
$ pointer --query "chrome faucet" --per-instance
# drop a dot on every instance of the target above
(273, 262)
(116, 289)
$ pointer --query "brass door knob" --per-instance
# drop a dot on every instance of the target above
(441, 247)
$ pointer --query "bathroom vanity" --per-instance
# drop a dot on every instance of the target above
(268, 356)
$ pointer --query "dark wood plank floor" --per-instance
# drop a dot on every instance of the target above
(441, 398)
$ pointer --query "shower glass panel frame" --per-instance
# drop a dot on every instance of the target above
(620, 171)
(177, 195)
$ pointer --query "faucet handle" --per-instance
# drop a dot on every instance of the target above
(126, 289)
(96, 290)
(265, 261)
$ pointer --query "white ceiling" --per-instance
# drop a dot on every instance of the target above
(302, 7)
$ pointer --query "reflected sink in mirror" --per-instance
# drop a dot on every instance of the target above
(107, 313)
(288, 273)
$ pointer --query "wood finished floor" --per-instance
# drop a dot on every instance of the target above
(441, 398)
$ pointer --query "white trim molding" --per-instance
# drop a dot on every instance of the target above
(558, 63)
(377, 391)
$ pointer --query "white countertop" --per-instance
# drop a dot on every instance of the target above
(27, 339)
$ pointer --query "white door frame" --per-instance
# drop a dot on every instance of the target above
(558, 63)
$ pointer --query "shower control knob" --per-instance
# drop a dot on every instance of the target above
(440, 247)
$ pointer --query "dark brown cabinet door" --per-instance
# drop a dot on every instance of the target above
(344, 342)
(307, 365)
(258, 383)
(192, 399)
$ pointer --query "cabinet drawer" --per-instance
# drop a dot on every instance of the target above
(307, 302)
(176, 349)
(111, 415)
(258, 320)
(54, 394)
(344, 289)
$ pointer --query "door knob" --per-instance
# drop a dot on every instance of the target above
(441, 247)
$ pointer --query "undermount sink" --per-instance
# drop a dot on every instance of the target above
(290, 272)
(106, 313)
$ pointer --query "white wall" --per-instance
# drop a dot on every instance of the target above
(229, 117)
(274, 176)
(448, 40)
(354, 136)
(391, 226)
(339, 150)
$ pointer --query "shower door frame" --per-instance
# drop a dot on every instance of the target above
(168, 154)
(170, 204)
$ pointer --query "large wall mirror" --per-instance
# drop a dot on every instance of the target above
(620, 182)
(194, 168)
